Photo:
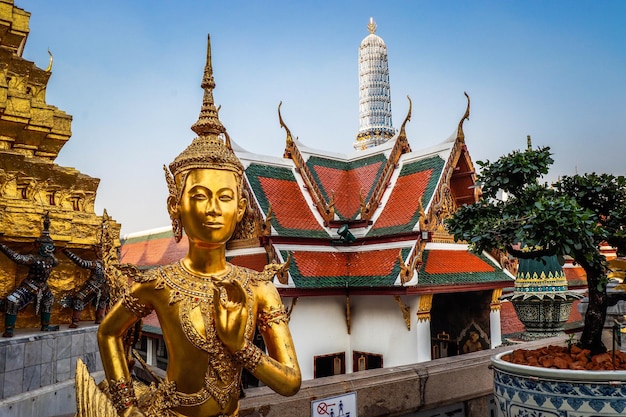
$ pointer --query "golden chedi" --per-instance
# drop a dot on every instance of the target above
(32, 133)
(208, 308)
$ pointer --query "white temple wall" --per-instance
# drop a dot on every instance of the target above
(318, 327)
(378, 326)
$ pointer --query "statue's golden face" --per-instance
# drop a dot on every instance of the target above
(210, 206)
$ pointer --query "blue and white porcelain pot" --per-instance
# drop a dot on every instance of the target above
(529, 391)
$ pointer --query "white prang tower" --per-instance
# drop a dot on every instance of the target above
(375, 126)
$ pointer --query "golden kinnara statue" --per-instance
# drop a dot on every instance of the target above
(208, 308)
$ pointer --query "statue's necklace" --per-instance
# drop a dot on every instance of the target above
(184, 284)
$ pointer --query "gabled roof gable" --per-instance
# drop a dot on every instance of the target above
(347, 183)
(277, 187)
(415, 185)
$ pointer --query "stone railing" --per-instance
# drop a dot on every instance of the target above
(416, 390)
(400, 391)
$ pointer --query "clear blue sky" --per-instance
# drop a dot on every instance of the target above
(129, 73)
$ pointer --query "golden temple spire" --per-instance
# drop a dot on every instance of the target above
(371, 26)
(208, 123)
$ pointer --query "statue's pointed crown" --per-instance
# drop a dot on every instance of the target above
(45, 233)
(211, 149)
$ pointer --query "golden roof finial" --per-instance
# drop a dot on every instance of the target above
(407, 119)
(371, 26)
(283, 125)
(459, 131)
(50, 63)
(208, 123)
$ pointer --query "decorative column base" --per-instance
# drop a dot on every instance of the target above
(543, 317)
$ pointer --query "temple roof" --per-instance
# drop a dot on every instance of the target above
(323, 266)
(455, 265)
(152, 248)
(364, 220)
(393, 202)
(318, 267)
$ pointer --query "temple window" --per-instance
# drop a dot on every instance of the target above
(362, 361)
(328, 365)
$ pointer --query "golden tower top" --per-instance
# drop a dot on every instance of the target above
(371, 26)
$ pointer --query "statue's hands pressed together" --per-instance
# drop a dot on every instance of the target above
(231, 314)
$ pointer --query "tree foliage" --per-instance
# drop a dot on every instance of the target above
(571, 217)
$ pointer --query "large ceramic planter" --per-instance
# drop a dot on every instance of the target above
(528, 391)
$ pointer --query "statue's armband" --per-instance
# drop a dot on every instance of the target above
(266, 319)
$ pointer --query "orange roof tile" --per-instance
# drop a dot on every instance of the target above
(290, 208)
(370, 263)
(404, 200)
(152, 320)
(575, 274)
(151, 252)
(448, 262)
(347, 185)
(255, 261)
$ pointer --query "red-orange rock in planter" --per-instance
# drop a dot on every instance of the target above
(560, 357)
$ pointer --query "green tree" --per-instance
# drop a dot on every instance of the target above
(571, 217)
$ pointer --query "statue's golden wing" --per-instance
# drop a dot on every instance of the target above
(90, 401)
(117, 275)
(279, 270)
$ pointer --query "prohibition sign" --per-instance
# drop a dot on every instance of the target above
(338, 406)
(322, 408)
